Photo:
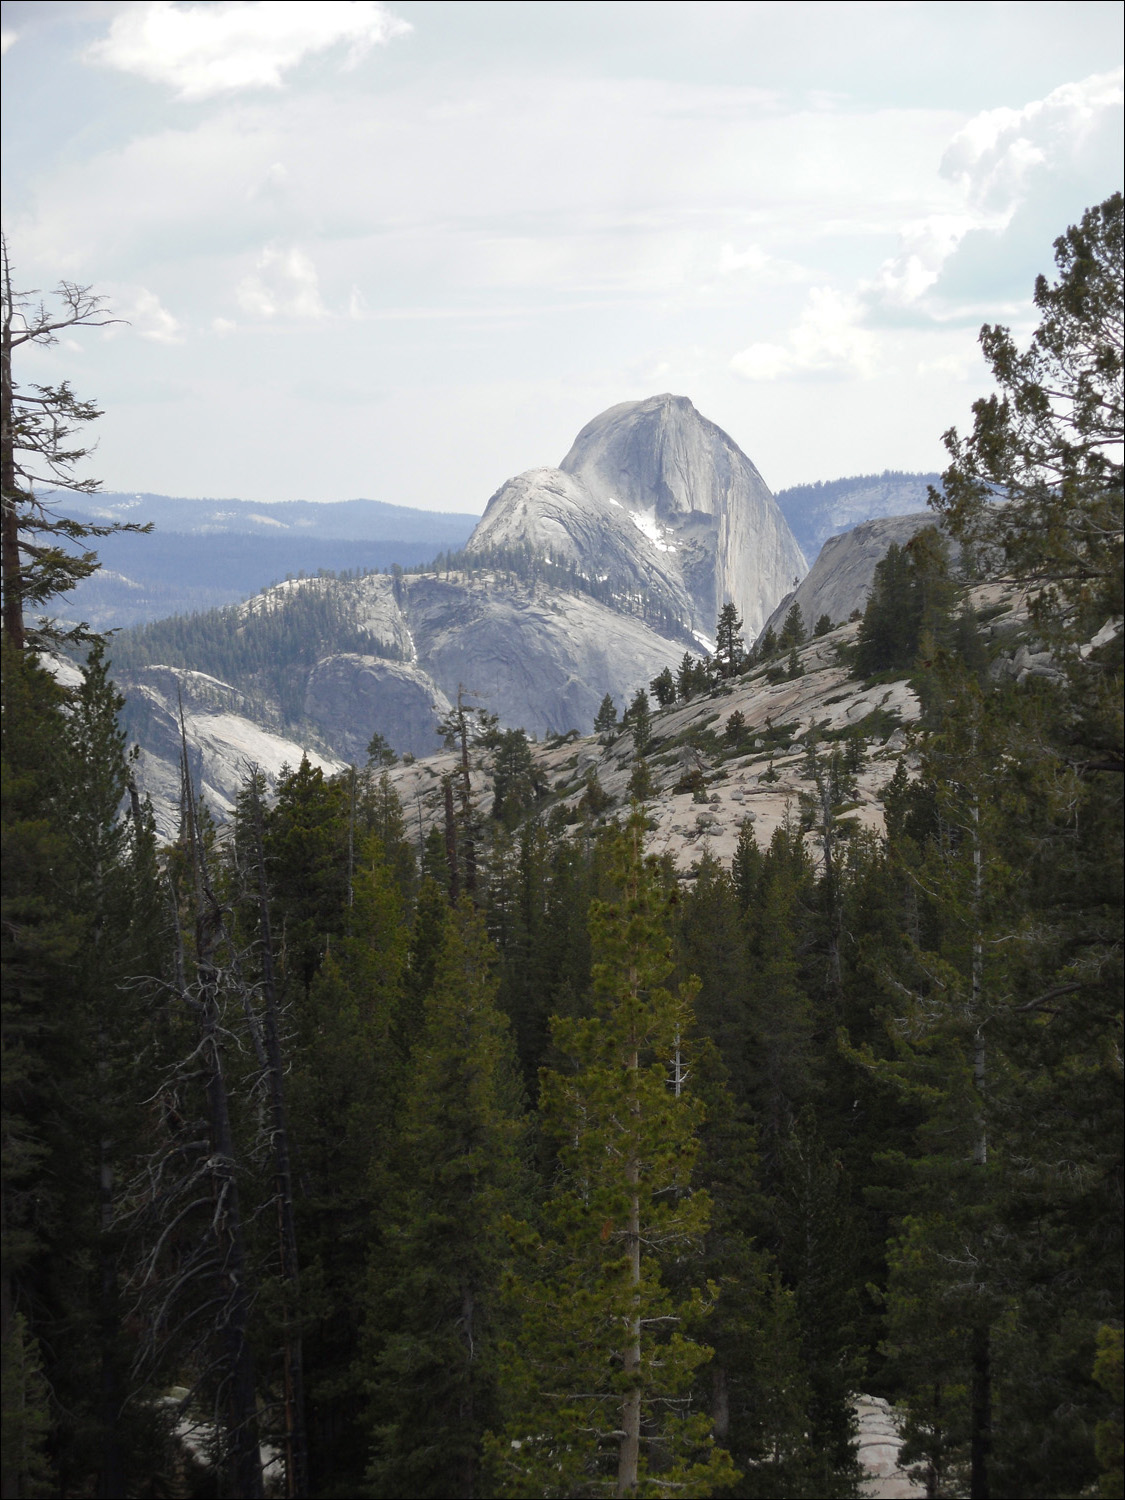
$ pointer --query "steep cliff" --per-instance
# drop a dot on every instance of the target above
(653, 496)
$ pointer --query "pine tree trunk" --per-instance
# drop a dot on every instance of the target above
(244, 1468)
(451, 842)
(9, 524)
(241, 1472)
(629, 1451)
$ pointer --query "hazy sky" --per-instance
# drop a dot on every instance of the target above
(404, 251)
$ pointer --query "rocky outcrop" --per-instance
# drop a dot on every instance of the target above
(224, 736)
(540, 658)
(653, 496)
(350, 698)
(840, 579)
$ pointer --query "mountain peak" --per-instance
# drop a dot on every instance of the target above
(652, 496)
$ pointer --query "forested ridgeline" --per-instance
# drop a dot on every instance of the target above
(530, 1168)
(267, 646)
(264, 648)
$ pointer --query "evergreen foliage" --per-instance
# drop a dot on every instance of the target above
(460, 1167)
(909, 608)
(606, 720)
(599, 1379)
(729, 650)
(793, 632)
(848, 1110)
(39, 451)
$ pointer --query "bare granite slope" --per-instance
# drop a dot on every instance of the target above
(840, 579)
(761, 784)
(652, 495)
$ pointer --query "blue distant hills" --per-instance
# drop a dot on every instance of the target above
(203, 553)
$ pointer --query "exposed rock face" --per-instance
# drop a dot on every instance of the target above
(350, 697)
(542, 659)
(558, 515)
(223, 741)
(654, 495)
(840, 579)
(760, 783)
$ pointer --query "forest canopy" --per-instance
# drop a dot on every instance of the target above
(521, 1164)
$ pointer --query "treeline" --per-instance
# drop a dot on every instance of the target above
(319, 1133)
(265, 647)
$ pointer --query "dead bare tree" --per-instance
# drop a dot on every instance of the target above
(39, 452)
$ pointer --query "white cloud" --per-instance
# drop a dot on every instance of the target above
(996, 155)
(962, 364)
(146, 315)
(924, 247)
(1000, 161)
(826, 341)
(754, 258)
(7, 39)
(284, 283)
(757, 263)
(202, 50)
(223, 326)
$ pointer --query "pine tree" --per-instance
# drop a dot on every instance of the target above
(793, 632)
(516, 786)
(638, 718)
(1048, 444)
(599, 1383)
(606, 720)
(663, 687)
(37, 452)
(460, 1167)
(352, 1035)
(79, 926)
(729, 649)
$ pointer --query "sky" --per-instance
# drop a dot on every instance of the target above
(405, 251)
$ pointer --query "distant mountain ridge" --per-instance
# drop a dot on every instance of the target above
(206, 553)
(348, 520)
(576, 583)
(817, 511)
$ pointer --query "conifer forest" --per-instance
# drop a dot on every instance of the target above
(517, 1164)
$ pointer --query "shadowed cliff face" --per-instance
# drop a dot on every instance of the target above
(654, 496)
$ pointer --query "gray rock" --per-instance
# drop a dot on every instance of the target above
(840, 579)
(660, 457)
(224, 733)
(352, 697)
(557, 515)
(542, 660)
(653, 496)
